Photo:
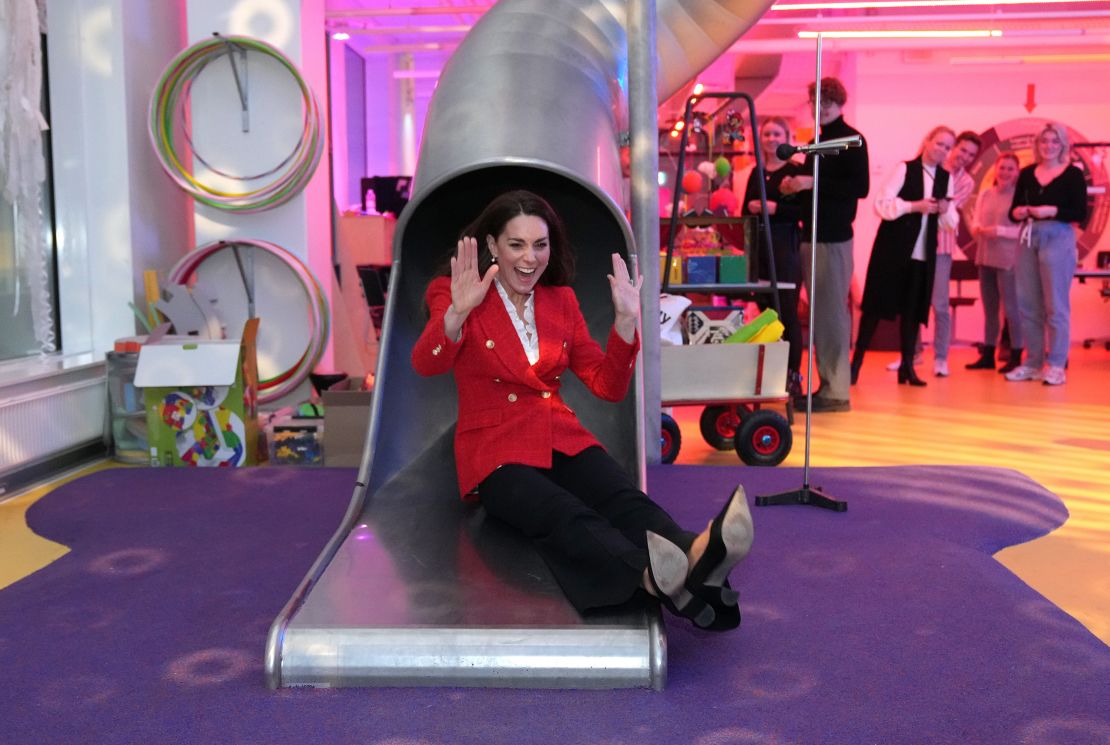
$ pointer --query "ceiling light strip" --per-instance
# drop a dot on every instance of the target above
(398, 48)
(1029, 59)
(437, 10)
(879, 4)
(903, 34)
(1063, 15)
(400, 30)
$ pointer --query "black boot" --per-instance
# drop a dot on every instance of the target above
(906, 374)
(1014, 362)
(985, 361)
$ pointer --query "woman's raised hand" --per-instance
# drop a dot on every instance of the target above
(468, 288)
(626, 298)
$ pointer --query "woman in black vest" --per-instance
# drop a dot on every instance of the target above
(913, 202)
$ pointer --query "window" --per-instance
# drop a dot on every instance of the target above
(17, 328)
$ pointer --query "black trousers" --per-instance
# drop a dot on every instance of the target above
(587, 519)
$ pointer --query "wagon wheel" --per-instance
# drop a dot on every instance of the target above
(764, 438)
(670, 439)
(718, 424)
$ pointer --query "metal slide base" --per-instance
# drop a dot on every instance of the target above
(429, 591)
(602, 656)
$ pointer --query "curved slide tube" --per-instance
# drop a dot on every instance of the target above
(417, 588)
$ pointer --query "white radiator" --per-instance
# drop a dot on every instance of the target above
(38, 424)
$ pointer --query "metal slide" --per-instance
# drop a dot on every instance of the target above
(416, 587)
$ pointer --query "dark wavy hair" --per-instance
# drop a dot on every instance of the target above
(504, 208)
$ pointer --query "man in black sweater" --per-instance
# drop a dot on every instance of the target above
(844, 181)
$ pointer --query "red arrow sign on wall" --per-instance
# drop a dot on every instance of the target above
(1030, 96)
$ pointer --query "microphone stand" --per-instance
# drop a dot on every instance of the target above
(807, 494)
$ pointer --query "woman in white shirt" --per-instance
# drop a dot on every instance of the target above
(996, 250)
(913, 202)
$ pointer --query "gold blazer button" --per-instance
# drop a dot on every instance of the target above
(512, 397)
(489, 343)
(546, 394)
(438, 348)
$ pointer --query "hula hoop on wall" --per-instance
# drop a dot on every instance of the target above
(273, 383)
(172, 92)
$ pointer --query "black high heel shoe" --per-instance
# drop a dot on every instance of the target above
(857, 365)
(730, 540)
(667, 565)
(907, 375)
(725, 603)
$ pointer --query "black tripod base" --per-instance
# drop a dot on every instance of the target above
(805, 495)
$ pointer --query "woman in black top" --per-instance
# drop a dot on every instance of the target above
(914, 202)
(1049, 198)
(785, 214)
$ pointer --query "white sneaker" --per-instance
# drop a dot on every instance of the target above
(893, 366)
(940, 368)
(1023, 372)
(1055, 376)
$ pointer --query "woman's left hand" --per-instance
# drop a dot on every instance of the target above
(626, 298)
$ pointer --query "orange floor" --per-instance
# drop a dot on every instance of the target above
(1058, 436)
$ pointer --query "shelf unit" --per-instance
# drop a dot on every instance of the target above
(761, 234)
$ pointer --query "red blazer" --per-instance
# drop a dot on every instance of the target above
(510, 411)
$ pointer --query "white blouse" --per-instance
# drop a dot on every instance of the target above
(525, 327)
(890, 207)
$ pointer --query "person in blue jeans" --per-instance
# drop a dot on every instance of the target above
(963, 186)
(1050, 199)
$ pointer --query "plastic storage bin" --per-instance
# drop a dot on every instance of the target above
(296, 442)
(126, 412)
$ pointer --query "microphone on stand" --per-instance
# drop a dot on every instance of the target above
(825, 147)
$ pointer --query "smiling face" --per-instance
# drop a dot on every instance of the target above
(522, 251)
(1006, 172)
(937, 148)
(770, 137)
(962, 155)
(1050, 147)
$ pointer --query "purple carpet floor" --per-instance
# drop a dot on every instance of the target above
(889, 623)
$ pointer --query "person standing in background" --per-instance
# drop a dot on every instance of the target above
(914, 202)
(845, 179)
(784, 214)
(963, 155)
(996, 237)
(1050, 198)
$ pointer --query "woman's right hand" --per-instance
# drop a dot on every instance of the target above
(468, 289)
(755, 207)
(926, 206)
